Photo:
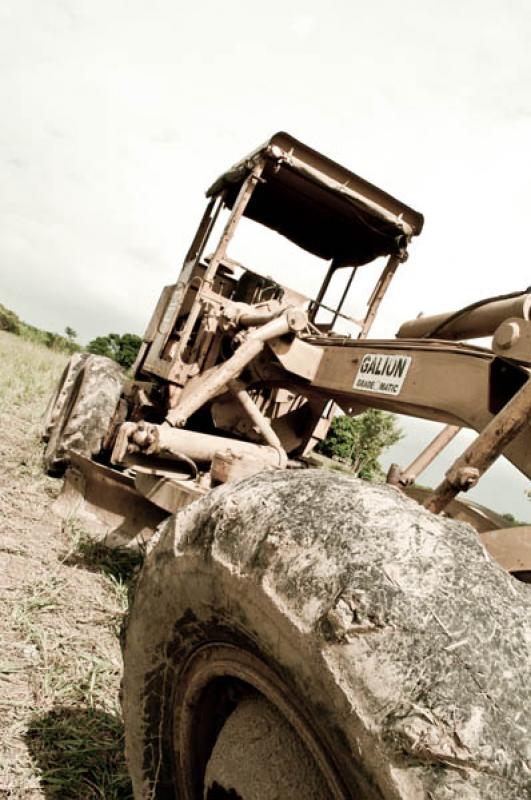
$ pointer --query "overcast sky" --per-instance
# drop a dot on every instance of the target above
(117, 114)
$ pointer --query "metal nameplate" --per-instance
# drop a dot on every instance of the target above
(382, 374)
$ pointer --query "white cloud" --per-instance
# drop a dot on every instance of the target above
(302, 25)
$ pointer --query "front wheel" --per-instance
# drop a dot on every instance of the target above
(309, 635)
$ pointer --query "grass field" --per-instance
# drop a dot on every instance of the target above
(63, 600)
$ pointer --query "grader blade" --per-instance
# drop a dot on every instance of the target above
(107, 504)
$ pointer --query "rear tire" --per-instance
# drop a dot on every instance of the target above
(61, 394)
(86, 413)
(397, 651)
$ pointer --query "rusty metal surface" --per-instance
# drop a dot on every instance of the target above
(167, 493)
(491, 443)
(259, 420)
(107, 504)
(319, 205)
(472, 322)
(449, 383)
(177, 444)
(228, 467)
(510, 547)
(512, 340)
(206, 386)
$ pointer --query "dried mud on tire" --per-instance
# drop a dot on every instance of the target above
(61, 393)
(85, 414)
(405, 643)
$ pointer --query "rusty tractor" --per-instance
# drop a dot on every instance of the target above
(295, 632)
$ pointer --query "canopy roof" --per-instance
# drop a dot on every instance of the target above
(319, 205)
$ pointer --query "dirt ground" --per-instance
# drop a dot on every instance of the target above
(63, 601)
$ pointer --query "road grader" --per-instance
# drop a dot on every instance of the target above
(297, 633)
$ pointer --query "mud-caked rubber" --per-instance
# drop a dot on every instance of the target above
(402, 639)
(61, 394)
(86, 414)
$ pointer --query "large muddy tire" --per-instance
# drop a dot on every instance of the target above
(86, 414)
(393, 647)
(61, 394)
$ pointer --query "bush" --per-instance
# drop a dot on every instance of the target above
(11, 322)
(360, 441)
(122, 349)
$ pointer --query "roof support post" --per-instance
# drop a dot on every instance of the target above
(204, 229)
(379, 291)
(484, 450)
(238, 210)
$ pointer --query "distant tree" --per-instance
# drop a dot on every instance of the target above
(71, 333)
(360, 441)
(129, 347)
(105, 346)
(512, 520)
(122, 349)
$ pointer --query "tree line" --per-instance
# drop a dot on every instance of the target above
(123, 348)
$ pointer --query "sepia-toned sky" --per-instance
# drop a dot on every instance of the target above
(117, 114)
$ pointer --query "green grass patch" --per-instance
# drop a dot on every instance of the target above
(27, 374)
(79, 753)
(119, 564)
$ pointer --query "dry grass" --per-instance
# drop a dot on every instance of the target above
(63, 599)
